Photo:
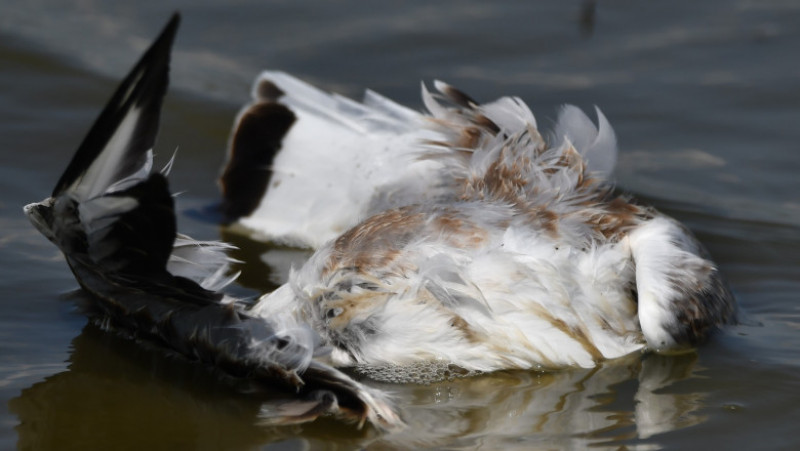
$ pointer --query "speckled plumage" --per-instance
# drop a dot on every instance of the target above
(461, 241)
(525, 257)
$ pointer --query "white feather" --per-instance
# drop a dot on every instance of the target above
(597, 144)
(508, 252)
(665, 270)
(343, 161)
(102, 172)
(204, 262)
(340, 162)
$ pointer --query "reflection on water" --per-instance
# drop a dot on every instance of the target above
(618, 402)
(115, 388)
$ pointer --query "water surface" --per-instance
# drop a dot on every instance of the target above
(704, 97)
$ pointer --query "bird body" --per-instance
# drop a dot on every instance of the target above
(304, 165)
(448, 243)
(524, 258)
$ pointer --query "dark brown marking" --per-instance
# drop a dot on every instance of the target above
(458, 97)
(486, 123)
(452, 226)
(545, 219)
(353, 307)
(269, 92)
(462, 326)
(618, 216)
(469, 139)
(377, 241)
(702, 307)
(575, 332)
(504, 181)
(449, 223)
(257, 139)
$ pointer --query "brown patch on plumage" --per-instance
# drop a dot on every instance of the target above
(569, 159)
(451, 225)
(705, 305)
(458, 323)
(608, 215)
(545, 219)
(376, 242)
(487, 124)
(580, 336)
(469, 139)
(575, 332)
(508, 179)
(448, 222)
(256, 140)
(619, 215)
(585, 182)
(374, 249)
(466, 133)
(457, 96)
(352, 305)
(504, 181)
(434, 143)
(470, 109)
(269, 91)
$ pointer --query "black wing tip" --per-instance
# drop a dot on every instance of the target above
(145, 85)
(166, 38)
(174, 22)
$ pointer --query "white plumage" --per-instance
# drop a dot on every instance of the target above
(512, 253)
(339, 163)
(453, 242)
(343, 161)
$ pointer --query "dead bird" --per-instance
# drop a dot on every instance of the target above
(512, 252)
(114, 221)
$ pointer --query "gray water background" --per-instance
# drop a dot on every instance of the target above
(705, 100)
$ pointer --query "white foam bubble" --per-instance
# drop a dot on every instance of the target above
(415, 373)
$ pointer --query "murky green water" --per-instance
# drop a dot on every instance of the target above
(705, 99)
